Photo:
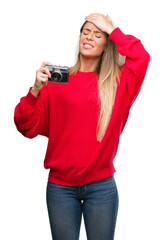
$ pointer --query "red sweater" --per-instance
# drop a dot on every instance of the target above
(68, 115)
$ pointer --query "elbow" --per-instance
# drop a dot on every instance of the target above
(147, 57)
(26, 132)
(144, 62)
(30, 136)
(143, 58)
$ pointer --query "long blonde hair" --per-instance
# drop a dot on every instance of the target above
(108, 70)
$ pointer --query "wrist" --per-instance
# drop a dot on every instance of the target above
(110, 30)
(35, 91)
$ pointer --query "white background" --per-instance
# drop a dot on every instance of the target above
(34, 31)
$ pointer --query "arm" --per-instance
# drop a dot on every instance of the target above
(136, 63)
(137, 58)
(31, 115)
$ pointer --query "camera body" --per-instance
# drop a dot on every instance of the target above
(59, 74)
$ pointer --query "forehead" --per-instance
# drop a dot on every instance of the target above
(90, 26)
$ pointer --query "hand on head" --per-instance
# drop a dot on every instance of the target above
(104, 23)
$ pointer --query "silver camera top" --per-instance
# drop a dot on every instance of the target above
(58, 73)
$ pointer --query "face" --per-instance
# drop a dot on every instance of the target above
(92, 41)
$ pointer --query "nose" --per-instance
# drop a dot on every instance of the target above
(90, 36)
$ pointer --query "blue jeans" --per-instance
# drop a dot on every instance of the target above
(97, 201)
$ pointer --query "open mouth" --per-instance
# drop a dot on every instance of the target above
(88, 45)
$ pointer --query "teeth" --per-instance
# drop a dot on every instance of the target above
(87, 45)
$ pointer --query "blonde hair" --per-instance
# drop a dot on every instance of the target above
(108, 70)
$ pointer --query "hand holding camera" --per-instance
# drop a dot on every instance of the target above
(42, 76)
(58, 74)
(48, 72)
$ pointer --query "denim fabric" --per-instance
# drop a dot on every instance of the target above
(97, 201)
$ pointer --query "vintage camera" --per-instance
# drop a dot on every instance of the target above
(58, 74)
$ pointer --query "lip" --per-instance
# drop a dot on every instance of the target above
(87, 47)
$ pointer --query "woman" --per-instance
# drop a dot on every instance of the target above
(83, 121)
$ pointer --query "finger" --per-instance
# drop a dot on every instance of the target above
(91, 17)
(45, 76)
(41, 75)
(95, 15)
(46, 71)
(42, 80)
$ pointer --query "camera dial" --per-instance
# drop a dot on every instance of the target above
(56, 76)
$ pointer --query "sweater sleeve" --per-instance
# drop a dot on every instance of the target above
(31, 114)
(136, 62)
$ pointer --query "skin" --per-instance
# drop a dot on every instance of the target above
(93, 34)
(92, 43)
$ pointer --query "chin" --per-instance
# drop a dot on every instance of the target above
(89, 55)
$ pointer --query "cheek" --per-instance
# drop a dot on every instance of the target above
(101, 45)
(80, 41)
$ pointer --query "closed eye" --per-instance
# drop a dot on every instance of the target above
(98, 36)
(85, 32)
(97, 33)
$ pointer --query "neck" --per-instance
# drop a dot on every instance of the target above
(88, 64)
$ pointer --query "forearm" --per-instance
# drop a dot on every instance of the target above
(27, 117)
(137, 58)
(35, 91)
(110, 29)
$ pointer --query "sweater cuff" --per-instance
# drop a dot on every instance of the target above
(117, 36)
(31, 99)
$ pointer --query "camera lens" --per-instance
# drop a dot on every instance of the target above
(56, 77)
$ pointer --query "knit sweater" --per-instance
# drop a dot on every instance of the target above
(68, 115)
